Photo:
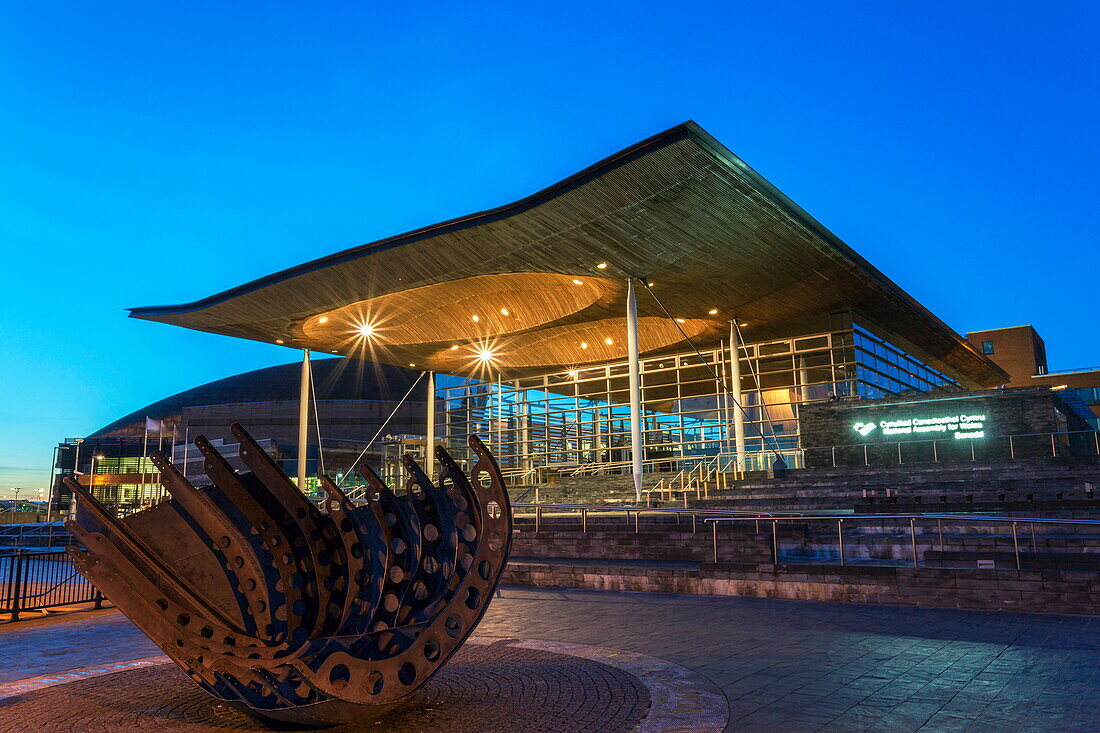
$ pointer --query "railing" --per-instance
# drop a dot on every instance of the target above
(883, 540)
(1076, 443)
(31, 581)
(924, 519)
(40, 534)
(634, 514)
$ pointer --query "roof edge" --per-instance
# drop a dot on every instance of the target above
(661, 139)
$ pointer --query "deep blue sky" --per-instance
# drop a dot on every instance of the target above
(156, 152)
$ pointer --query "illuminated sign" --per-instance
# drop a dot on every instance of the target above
(959, 427)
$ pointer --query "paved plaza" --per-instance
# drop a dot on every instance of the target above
(782, 665)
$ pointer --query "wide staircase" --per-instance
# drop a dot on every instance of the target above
(1035, 484)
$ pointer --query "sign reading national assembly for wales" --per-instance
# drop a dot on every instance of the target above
(958, 427)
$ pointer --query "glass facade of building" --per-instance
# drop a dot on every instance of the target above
(580, 419)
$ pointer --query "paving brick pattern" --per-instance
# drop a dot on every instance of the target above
(484, 688)
(786, 666)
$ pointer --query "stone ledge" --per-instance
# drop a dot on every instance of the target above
(1005, 590)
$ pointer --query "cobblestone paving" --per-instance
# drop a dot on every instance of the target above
(483, 689)
(786, 666)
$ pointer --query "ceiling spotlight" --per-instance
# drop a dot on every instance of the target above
(742, 325)
(573, 374)
(680, 320)
(411, 364)
(454, 348)
(584, 344)
(608, 341)
(484, 355)
(278, 341)
(577, 282)
(475, 318)
(366, 330)
(504, 312)
(323, 319)
(649, 285)
(713, 311)
(601, 266)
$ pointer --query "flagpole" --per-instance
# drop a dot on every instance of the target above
(186, 441)
(144, 458)
(160, 444)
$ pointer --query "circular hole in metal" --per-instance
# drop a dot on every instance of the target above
(397, 574)
(431, 650)
(334, 505)
(495, 543)
(431, 532)
(183, 619)
(453, 626)
(375, 682)
(407, 673)
(493, 509)
(473, 598)
(431, 565)
(206, 632)
(469, 533)
(224, 541)
(482, 477)
(346, 525)
(485, 569)
(398, 545)
(339, 676)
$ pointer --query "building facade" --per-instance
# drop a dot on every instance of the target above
(1021, 352)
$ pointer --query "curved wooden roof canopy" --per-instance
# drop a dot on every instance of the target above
(518, 288)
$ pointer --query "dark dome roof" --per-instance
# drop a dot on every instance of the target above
(334, 379)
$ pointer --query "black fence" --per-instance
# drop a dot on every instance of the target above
(32, 581)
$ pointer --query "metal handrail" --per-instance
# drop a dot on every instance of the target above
(913, 518)
(637, 512)
(975, 519)
(1049, 434)
(657, 510)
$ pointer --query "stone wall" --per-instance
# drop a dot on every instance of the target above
(828, 432)
(1002, 590)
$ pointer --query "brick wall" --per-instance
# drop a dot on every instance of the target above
(1003, 590)
(1008, 412)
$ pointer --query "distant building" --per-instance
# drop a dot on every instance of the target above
(354, 399)
(1020, 351)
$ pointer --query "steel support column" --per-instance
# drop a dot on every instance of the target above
(735, 393)
(429, 443)
(303, 420)
(635, 388)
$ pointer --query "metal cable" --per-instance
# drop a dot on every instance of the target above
(710, 368)
(381, 427)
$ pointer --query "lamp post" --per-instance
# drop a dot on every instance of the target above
(15, 504)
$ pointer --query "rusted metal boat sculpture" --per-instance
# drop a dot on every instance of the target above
(295, 614)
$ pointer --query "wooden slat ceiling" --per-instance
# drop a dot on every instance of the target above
(677, 209)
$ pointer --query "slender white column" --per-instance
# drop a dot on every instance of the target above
(735, 393)
(635, 383)
(429, 444)
(303, 421)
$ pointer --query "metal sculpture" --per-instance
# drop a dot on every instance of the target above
(294, 614)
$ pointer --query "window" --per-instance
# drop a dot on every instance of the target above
(987, 347)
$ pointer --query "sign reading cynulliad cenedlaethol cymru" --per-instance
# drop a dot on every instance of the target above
(959, 427)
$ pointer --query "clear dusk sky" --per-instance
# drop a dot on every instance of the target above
(155, 153)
